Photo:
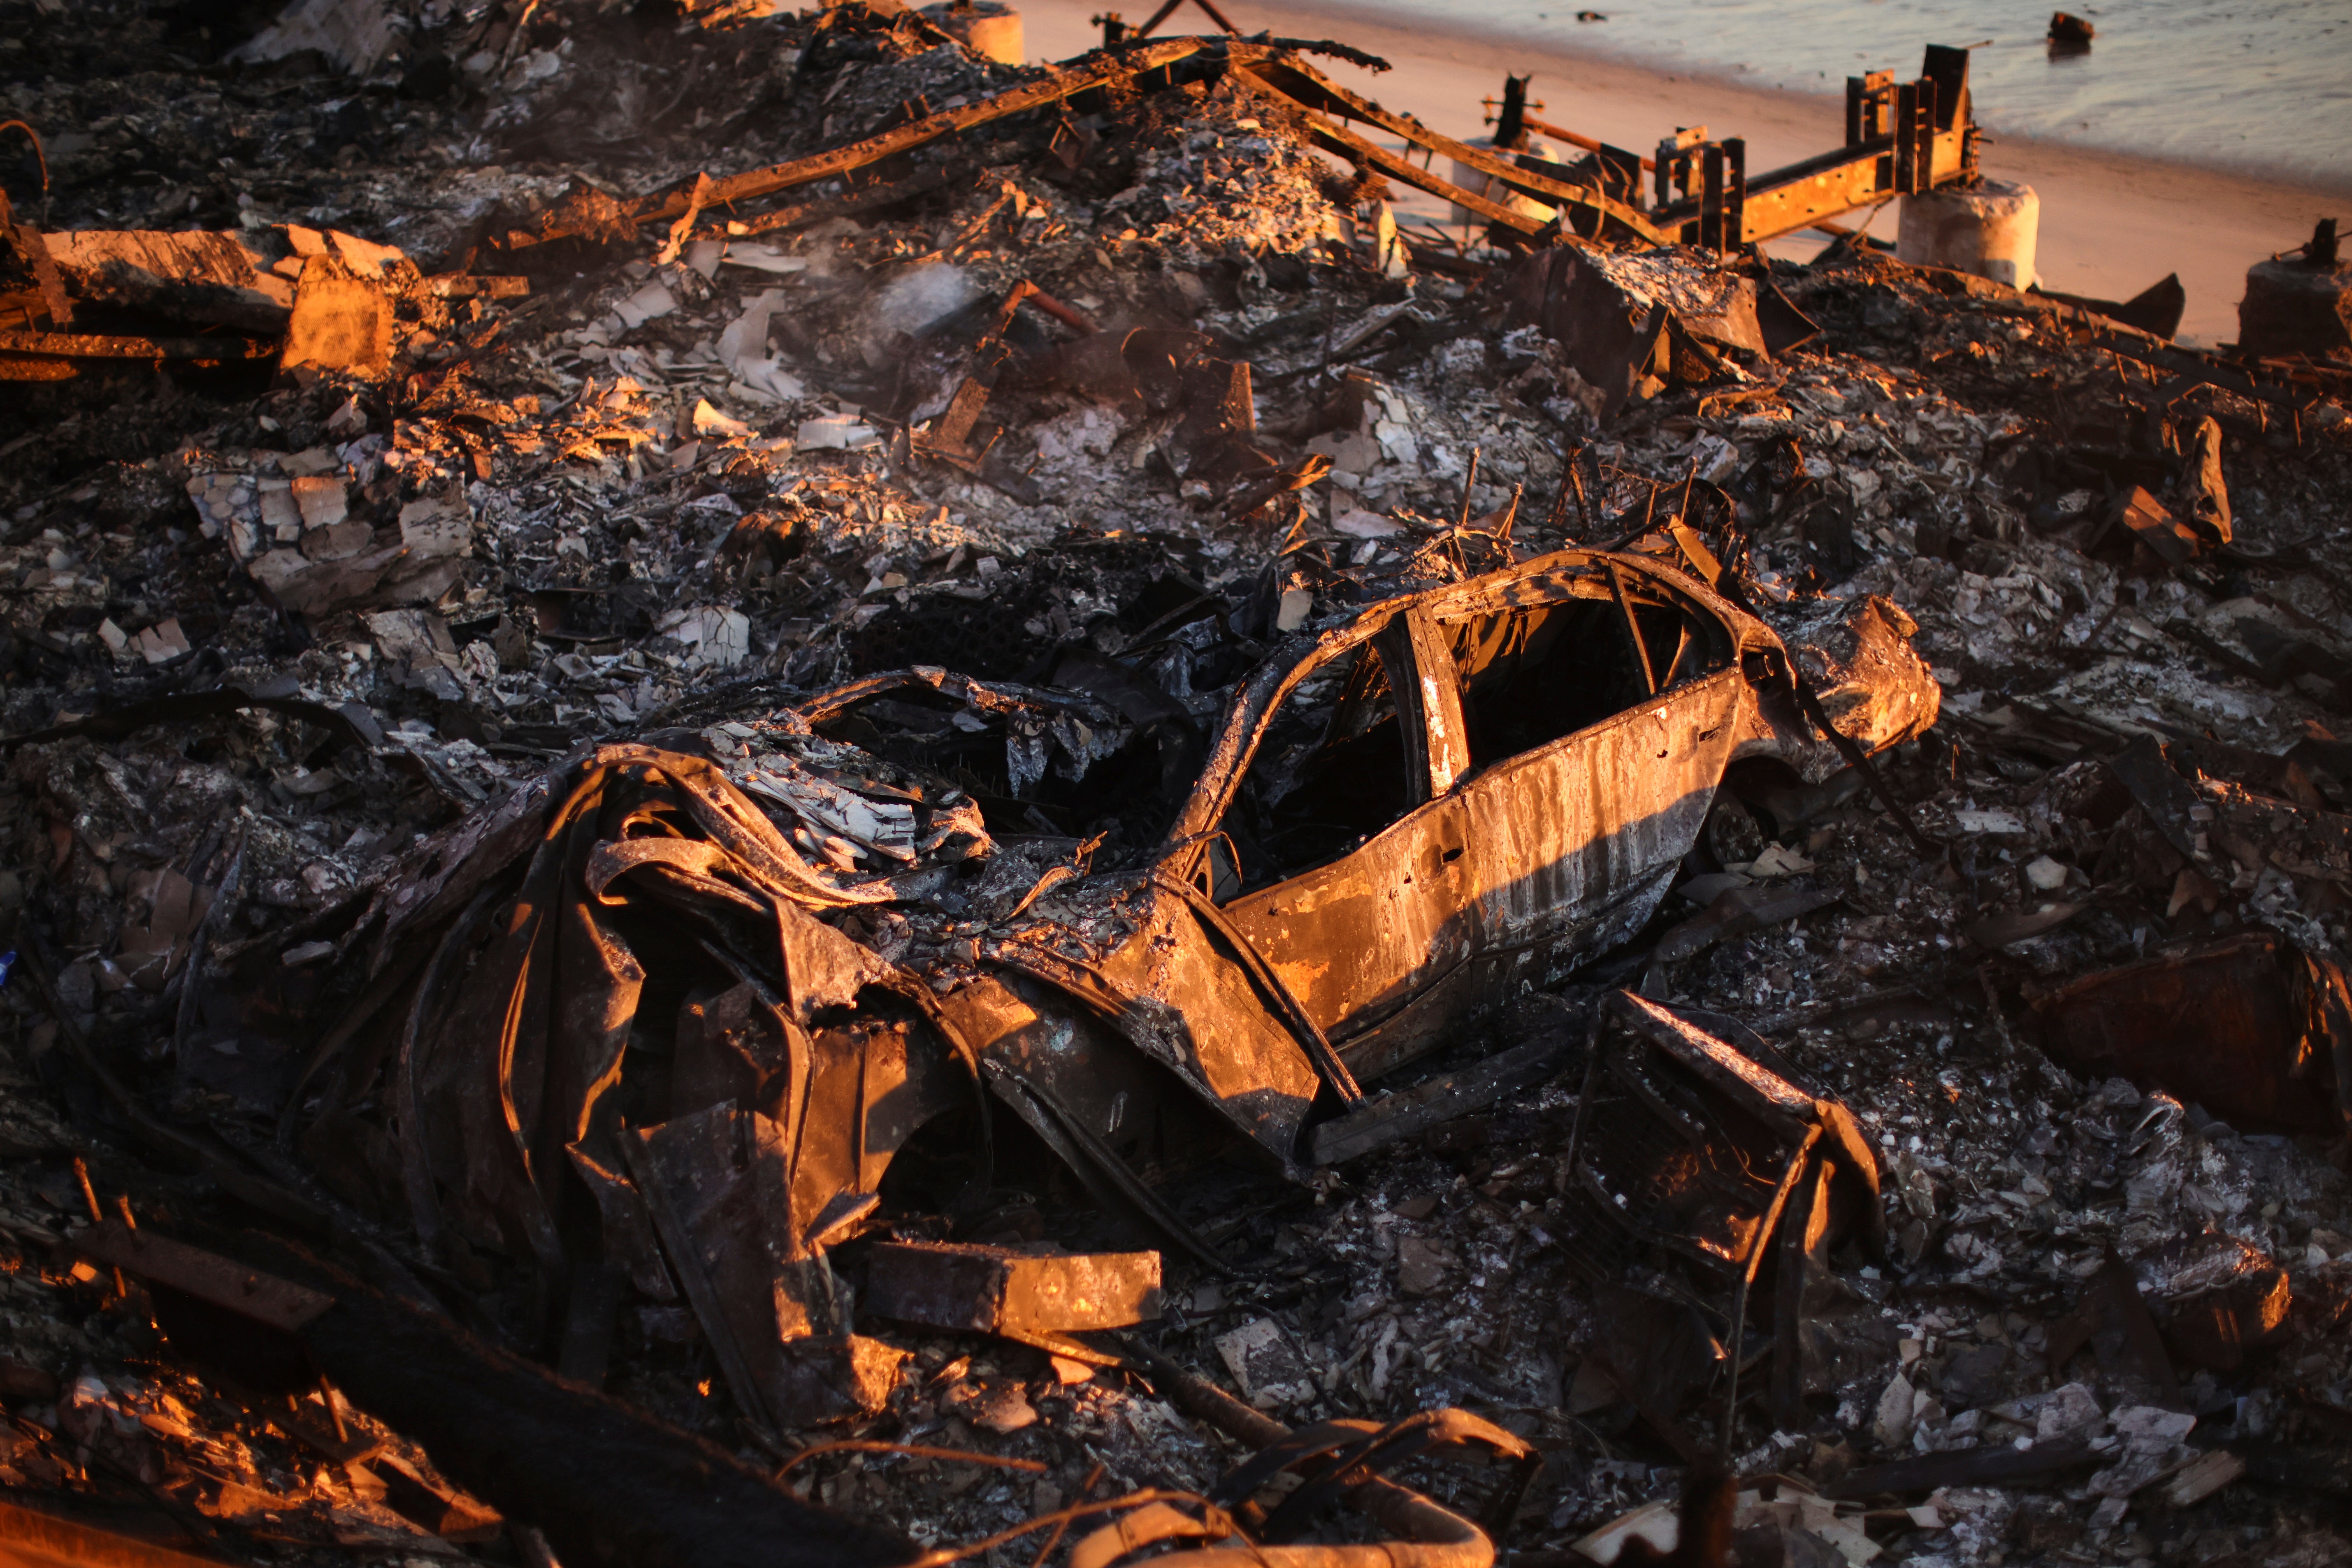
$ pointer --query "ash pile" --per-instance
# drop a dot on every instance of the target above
(776, 795)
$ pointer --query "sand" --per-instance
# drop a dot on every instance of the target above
(2110, 225)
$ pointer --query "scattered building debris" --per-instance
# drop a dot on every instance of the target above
(778, 792)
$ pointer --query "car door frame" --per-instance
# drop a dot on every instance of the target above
(1362, 940)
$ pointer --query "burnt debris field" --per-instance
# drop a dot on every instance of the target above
(773, 794)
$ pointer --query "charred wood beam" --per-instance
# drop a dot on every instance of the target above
(94, 346)
(349, 723)
(839, 161)
(35, 1536)
(1300, 86)
(1998, 1466)
(857, 203)
(1332, 138)
(1578, 139)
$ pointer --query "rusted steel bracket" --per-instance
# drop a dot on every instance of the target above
(1900, 138)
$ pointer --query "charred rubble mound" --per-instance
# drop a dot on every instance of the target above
(775, 795)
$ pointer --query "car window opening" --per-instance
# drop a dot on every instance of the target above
(1531, 675)
(1329, 772)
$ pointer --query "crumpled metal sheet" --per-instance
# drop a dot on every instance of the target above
(1683, 1136)
(2256, 1032)
(1870, 683)
(1343, 1458)
(731, 1160)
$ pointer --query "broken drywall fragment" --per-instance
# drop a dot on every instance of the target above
(834, 433)
(652, 300)
(321, 501)
(716, 639)
(161, 642)
(436, 525)
(1266, 1365)
(743, 348)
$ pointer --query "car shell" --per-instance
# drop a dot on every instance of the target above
(1273, 1004)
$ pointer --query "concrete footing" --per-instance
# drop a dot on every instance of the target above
(987, 28)
(2295, 307)
(1988, 229)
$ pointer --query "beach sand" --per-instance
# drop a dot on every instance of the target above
(2110, 225)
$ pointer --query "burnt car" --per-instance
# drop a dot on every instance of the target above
(1398, 824)
(697, 1010)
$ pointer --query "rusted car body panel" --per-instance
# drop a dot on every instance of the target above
(1590, 828)
(1502, 867)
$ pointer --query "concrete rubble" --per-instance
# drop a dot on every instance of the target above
(702, 723)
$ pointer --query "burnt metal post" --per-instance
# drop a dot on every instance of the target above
(1865, 107)
(1511, 123)
(1907, 138)
(1722, 198)
(1672, 175)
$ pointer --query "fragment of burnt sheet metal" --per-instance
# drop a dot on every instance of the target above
(994, 1290)
(1695, 1146)
(2247, 1027)
(770, 1131)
